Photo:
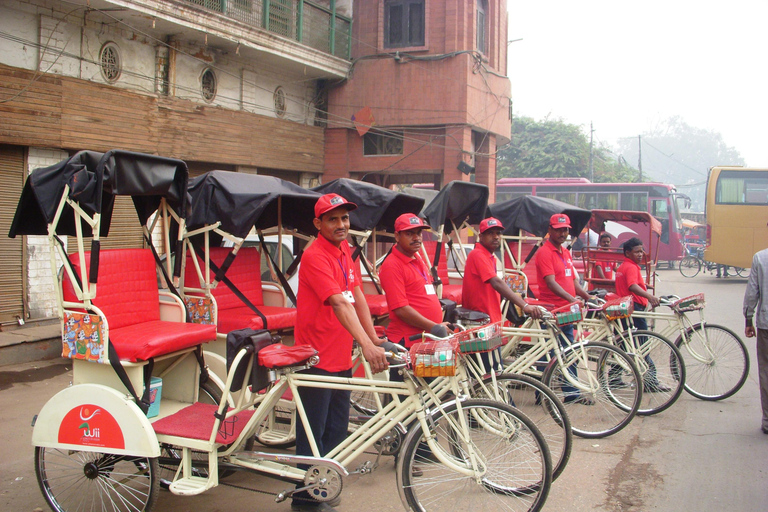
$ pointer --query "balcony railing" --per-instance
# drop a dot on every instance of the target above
(307, 22)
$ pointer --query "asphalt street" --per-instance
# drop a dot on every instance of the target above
(696, 456)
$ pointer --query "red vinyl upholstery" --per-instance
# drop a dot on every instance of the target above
(450, 291)
(377, 304)
(245, 273)
(127, 294)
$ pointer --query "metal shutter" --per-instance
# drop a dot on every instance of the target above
(124, 231)
(12, 268)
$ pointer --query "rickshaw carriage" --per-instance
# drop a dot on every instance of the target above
(526, 223)
(457, 206)
(371, 224)
(111, 311)
(614, 256)
(224, 284)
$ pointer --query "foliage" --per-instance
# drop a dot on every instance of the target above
(675, 152)
(555, 149)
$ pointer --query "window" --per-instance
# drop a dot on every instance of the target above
(279, 98)
(380, 144)
(208, 85)
(481, 32)
(403, 23)
(742, 187)
(634, 201)
(109, 58)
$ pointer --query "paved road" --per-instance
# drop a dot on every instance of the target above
(696, 456)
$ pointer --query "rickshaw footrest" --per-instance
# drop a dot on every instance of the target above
(191, 486)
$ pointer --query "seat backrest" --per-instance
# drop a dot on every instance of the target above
(442, 265)
(245, 273)
(126, 288)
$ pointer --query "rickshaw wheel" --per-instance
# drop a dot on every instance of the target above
(76, 480)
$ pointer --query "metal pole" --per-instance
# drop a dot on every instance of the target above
(591, 167)
(639, 160)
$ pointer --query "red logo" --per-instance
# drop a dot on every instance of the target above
(89, 425)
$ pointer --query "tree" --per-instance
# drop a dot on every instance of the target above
(678, 153)
(555, 149)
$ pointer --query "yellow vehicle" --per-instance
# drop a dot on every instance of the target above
(737, 215)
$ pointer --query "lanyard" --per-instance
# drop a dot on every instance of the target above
(420, 266)
(344, 273)
(565, 265)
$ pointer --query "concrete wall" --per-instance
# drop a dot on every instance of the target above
(41, 290)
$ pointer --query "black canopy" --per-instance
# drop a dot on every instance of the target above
(377, 207)
(532, 213)
(241, 201)
(457, 201)
(94, 180)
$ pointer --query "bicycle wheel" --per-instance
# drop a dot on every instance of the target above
(742, 272)
(540, 405)
(661, 368)
(596, 407)
(716, 361)
(690, 266)
(512, 472)
(74, 480)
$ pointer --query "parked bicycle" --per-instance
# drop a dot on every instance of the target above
(693, 263)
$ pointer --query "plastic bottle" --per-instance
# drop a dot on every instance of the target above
(442, 352)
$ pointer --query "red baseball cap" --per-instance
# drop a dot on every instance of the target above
(490, 223)
(330, 202)
(409, 221)
(559, 220)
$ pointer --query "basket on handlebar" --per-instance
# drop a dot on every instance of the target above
(616, 309)
(569, 314)
(692, 303)
(435, 358)
(480, 339)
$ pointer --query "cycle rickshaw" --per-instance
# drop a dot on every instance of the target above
(99, 443)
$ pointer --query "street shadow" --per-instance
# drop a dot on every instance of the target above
(9, 378)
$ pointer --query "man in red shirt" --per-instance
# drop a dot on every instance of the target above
(629, 281)
(411, 298)
(482, 288)
(559, 281)
(604, 269)
(332, 311)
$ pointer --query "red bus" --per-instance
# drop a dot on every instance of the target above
(658, 199)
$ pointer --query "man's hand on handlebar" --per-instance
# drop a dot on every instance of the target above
(532, 311)
(376, 357)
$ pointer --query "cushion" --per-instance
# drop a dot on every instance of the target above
(243, 317)
(452, 292)
(126, 289)
(245, 273)
(139, 342)
(377, 304)
(196, 422)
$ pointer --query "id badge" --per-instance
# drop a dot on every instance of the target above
(568, 272)
(348, 295)
(430, 288)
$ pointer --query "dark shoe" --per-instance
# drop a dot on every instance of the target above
(718, 276)
(579, 399)
(656, 387)
(311, 506)
(765, 430)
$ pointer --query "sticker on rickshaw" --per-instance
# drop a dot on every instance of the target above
(91, 425)
(83, 337)
(200, 309)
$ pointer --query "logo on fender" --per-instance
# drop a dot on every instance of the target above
(90, 425)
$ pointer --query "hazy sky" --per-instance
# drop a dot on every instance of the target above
(626, 65)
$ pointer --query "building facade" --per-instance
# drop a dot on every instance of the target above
(221, 85)
(429, 77)
(263, 86)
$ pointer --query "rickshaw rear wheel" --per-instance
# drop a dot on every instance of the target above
(77, 480)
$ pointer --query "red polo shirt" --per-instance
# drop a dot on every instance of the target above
(627, 274)
(403, 280)
(476, 291)
(552, 260)
(325, 270)
(607, 267)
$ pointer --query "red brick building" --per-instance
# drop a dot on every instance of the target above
(433, 73)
